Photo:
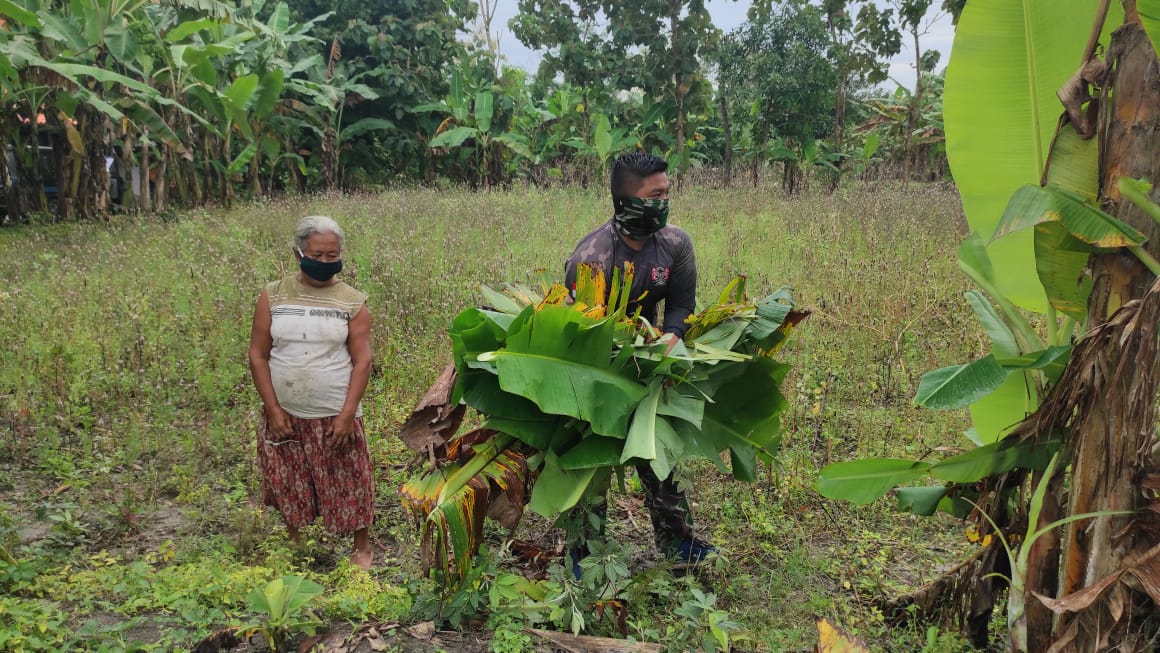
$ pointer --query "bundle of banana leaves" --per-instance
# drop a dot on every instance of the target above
(572, 387)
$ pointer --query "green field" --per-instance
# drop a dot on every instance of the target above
(127, 473)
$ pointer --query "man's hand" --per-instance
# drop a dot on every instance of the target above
(279, 421)
(341, 430)
(673, 340)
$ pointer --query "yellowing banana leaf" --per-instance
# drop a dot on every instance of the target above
(832, 639)
(450, 505)
(1033, 204)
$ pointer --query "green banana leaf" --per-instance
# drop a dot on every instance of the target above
(994, 459)
(558, 489)
(642, 437)
(1149, 11)
(1003, 344)
(560, 360)
(1073, 163)
(1001, 112)
(996, 414)
(1060, 260)
(957, 386)
(921, 500)
(744, 416)
(1061, 252)
(863, 481)
(591, 452)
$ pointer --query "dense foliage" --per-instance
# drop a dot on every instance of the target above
(133, 105)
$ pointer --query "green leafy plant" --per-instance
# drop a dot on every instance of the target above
(571, 391)
(282, 604)
(705, 622)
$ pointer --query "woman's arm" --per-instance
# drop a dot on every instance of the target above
(358, 342)
(260, 345)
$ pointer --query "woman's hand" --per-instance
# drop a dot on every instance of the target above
(341, 431)
(279, 421)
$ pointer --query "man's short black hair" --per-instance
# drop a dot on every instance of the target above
(631, 168)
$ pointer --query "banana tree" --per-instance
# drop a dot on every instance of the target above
(1059, 230)
(74, 66)
(604, 142)
(474, 117)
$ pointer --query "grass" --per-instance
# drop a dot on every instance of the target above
(127, 415)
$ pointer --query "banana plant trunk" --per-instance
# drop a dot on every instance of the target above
(93, 188)
(146, 192)
(727, 133)
(329, 148)
(1110, 451)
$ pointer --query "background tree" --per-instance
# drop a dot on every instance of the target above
(403, 51)
(779, 70)
(861, 40)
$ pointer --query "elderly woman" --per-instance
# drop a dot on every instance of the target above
(310, 356)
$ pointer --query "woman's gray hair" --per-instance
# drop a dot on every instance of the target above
(317, 224)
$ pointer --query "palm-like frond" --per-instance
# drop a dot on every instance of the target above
(450, 504)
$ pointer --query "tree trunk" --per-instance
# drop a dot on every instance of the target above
(93, 188)
(256, 165)
(680, 88)
(840, 88)
(915, 111)
(66, 163)
(726, 130)
(161, 198)
(329, 159)
(1110, 450)
(128, 198)
(758, 148)
(5, 181)
(146, 194)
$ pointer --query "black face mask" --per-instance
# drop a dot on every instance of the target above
(318, 270)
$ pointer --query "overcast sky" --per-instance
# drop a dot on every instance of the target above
(728, 14)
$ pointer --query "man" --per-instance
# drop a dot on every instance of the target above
(665, 268)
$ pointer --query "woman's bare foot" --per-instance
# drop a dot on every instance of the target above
(363, 559)
(363, 556)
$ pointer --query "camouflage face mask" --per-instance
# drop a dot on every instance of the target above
(639, 218)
